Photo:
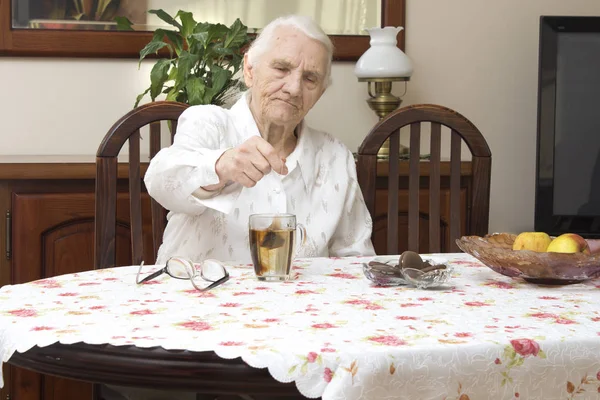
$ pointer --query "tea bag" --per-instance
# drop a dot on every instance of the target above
(273, 240)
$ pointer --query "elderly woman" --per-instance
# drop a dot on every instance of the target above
(260, 156)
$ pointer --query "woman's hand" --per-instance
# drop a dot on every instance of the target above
(247, 163)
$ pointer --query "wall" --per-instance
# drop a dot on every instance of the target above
(477, 57)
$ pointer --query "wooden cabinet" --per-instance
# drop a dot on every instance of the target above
(49, 230)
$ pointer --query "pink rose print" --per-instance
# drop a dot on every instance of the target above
(565, 321)
(48, 283)
(24, 312)
(142, 312)
(326, 325)
(230, 305)
(242, 293)
(463, 334)
(195, 325)
(388, 340)
(369, 305)
(497, 361)
(500, 285)
(548, 298)
(475, 304)
(596, 319)
(410, 305)
(97, 307)
(231, 343)
(406, 318)
(311, 357)
(89, 283)
(271, 320)
(327, 375)
(544, 315)
(525, 347)
(69, 294)
(305, 292)
(425, 298)
(342, 275)
(41, 328)
(598, 376)
(330, 350)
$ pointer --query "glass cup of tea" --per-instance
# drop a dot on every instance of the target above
(273, 247)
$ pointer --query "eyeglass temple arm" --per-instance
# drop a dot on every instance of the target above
(153, 275)
(216, 283)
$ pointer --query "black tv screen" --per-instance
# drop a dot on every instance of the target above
(568, 137)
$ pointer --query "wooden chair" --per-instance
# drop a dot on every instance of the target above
(128, 129)
(422, 208)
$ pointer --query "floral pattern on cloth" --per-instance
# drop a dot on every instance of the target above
(483, 336)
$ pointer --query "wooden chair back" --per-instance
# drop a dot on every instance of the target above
(127, 129)
(460, 130)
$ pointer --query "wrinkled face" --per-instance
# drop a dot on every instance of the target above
(288, 79)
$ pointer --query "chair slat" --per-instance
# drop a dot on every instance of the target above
(393, 177)
(106, 206)
(135, 199)
(154, 138)
(434, 188)
(173, 130)
(455, 161)
(414, 178)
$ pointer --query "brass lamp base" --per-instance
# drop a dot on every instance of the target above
(384, 102)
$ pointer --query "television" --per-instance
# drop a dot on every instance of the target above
(567, 192)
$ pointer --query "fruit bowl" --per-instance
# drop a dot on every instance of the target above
(495, 251)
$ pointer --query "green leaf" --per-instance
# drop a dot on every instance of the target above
(201, 37)
(152, 47)
(158, 77)
(304, 369)
(291, 370)
(216, 33)
(220, 77)
(139, 97)
(185, 63)
(172, 96)
(541, 354)
(195, 91)
(237, 35)
(123, 23)
(166, 17)
(176, 39)
(188, 23)
(519, 362)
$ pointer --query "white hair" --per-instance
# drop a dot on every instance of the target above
(304, 24)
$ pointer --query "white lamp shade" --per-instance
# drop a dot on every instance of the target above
(384, 59)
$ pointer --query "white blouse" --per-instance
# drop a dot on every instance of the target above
(320, 189)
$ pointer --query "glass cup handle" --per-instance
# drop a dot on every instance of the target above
(302, 232)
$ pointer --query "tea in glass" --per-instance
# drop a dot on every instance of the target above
(273, 244)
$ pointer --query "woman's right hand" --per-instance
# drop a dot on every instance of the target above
(247, 163)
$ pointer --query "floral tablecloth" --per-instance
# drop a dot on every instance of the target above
(484, 336)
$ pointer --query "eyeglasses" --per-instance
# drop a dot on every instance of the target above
(179, 268)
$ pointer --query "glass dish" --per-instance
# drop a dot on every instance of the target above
(495, 251)
(384, 271)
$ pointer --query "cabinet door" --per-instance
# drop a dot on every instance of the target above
(380, 221)
(53, 234)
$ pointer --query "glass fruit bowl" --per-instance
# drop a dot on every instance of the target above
(495, 251)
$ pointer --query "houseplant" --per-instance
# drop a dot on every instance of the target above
(203, 59)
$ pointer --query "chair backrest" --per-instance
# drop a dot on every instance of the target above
(128, 129)
(477, 202)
